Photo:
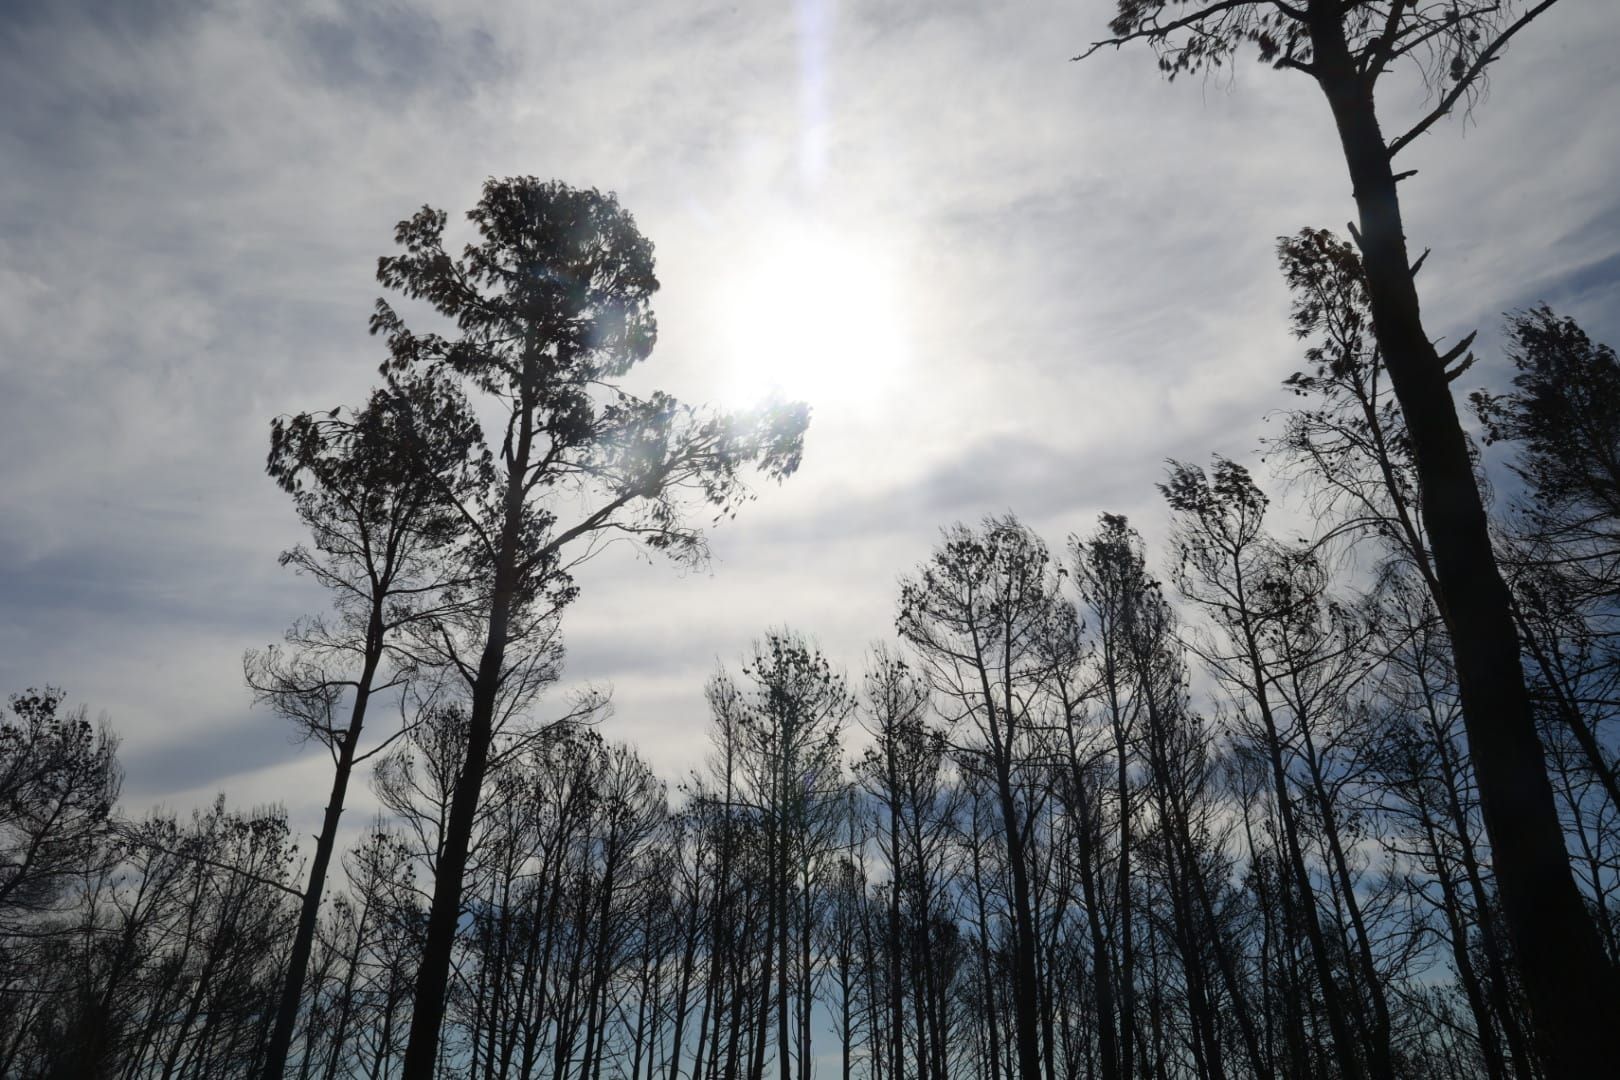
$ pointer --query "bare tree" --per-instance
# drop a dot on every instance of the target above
(1253, 590)
(1562, 534)
(914, 807)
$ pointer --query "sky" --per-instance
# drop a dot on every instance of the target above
(1004, 281)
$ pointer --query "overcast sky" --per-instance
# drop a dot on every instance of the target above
(1005, 281)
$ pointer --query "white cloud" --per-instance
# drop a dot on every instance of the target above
(194, 198)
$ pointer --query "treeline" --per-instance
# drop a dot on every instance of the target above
(1084, 818)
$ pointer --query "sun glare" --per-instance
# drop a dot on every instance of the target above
(812, 316)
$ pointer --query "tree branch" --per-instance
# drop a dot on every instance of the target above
(1486, 56)
(1158, 32)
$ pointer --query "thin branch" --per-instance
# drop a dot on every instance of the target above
(136, 840)
(1158, 32)
(1464, 84)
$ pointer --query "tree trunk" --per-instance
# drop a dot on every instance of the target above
(1101, 963)
(1026, 990)
(292, 987)
(432, 981)
(1570, 985)
(433, 977)
(1380, 1055)
(988, 986)
(1127, 948)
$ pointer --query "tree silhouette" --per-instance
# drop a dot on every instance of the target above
(550, 310)
(1307, 862)
(1346, 48)
(1564, 418)
(371, 487)
(59, 779)
(1562, 535)
(975, 613)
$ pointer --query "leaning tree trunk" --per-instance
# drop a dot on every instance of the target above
(433, 978)
(292, 988)
(1569, 983)
(432, 981)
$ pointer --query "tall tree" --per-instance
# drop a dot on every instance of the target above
(976, 614)
(1255, 592)
(1563, 419)
(1347, 441)
(1561, 539)
(1346, 47)
(549, 311)
(791, 720)
(904, 775)
(371, 489)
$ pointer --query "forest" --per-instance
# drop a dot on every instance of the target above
(1325, 785)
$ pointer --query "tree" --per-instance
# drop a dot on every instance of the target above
(1303, 829)
(904, 776)
(59, 779)
(790, 722)
(1262, 598)
(371, 488)
(1348, 444)
(1564, 418)
(1561, 539)
(1346, 47)
(975, 614)
(179, 951)
(550, 310)
(1348, 441)
(1425, 797)
(1112, 581)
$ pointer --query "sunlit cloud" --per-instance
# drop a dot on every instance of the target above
(1002, 281)
(803, 312)
(813, 21)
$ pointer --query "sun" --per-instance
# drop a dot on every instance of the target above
(811, 315)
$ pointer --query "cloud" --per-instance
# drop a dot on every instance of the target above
(193, 198)
(383, 52)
